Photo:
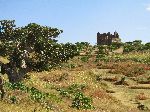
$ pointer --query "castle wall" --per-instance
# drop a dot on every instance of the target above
(106, 39)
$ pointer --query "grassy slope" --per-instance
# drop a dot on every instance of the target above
(122, 100)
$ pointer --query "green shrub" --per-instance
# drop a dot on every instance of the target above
(81, 102)
(13, 99)
(84, 59)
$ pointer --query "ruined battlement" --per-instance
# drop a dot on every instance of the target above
(107, 38)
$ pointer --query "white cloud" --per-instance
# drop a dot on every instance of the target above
(148, 8)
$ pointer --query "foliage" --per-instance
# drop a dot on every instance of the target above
(114, 46)
(25, 37)
(85, 58)
(140, 56)
(35, 94)
(136, 46)
(35, 45)
(71, 89)
(128, 47)
(13, 99)
(72, 66)
(147, 46)
(102, 52)
(18, 86)
(81, 102)
(82, 45)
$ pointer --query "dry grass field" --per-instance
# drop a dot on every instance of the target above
(112, 86)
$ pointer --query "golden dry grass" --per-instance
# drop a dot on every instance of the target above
(122, 99)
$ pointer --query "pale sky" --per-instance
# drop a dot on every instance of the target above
(82, 19)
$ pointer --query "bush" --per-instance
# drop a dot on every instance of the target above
(85, 59)
(81, 102)
(13, 99)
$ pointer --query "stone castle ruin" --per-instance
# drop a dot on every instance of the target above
(107, 38)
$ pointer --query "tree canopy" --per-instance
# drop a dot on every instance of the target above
(33, 46)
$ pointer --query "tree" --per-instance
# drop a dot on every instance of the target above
(32, 47)
(82, 45)
(147, 46)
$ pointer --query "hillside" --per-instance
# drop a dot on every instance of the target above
(113, 86)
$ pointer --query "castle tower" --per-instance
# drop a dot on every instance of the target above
(116, 34)
(107, 38)
(98, 37)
